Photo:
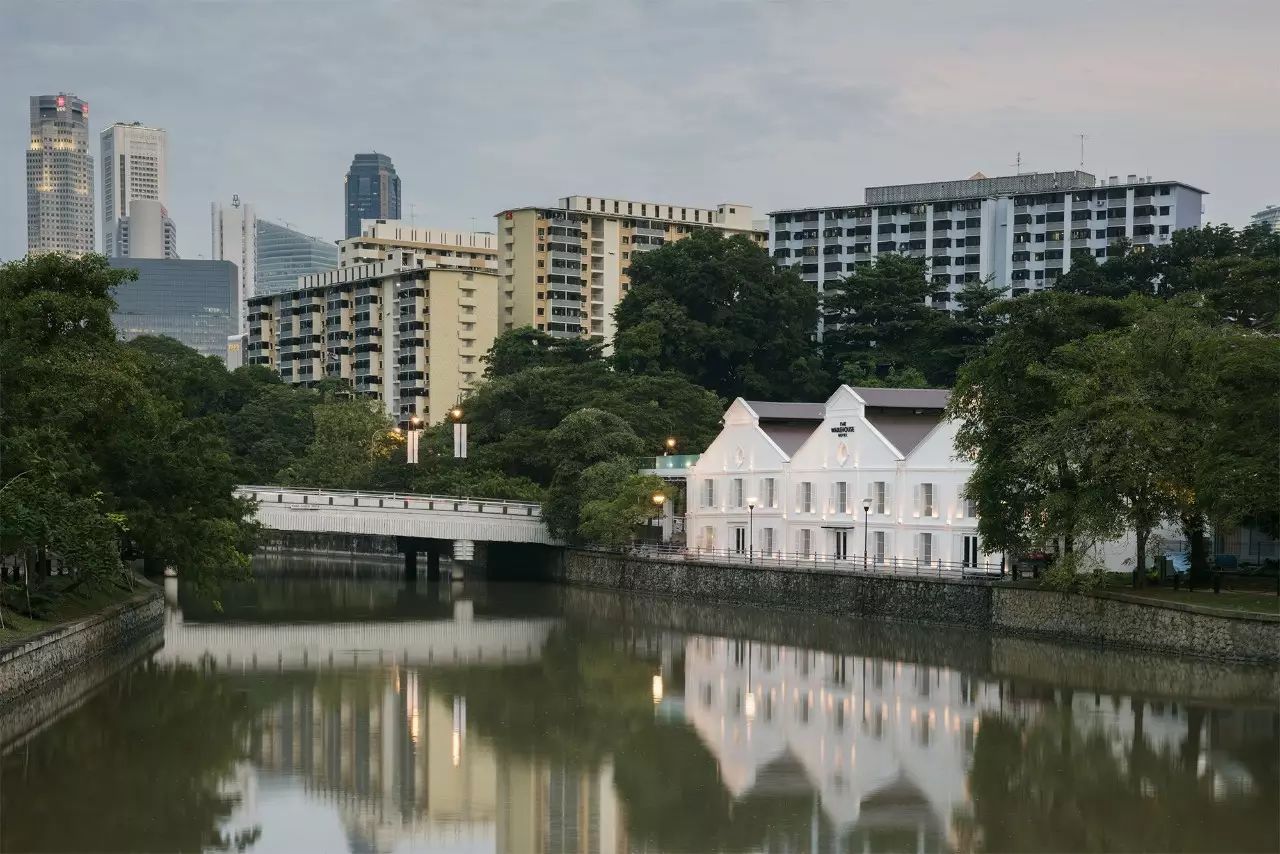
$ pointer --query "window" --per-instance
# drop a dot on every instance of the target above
(739, 539)
(766, 541)
(708, 493)
(877, 545)
(842, 497)
(970, 557)
(924, 500)
(879, 495)
(768, 493)
(805, 496)
(708, 537)
(1164, 210)
(924, 548)
(737, 492)
(804, 542)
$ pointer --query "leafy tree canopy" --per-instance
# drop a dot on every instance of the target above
(718, 311)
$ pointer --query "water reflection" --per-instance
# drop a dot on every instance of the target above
(372, 717)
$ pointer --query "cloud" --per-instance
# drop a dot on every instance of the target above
(486, 105)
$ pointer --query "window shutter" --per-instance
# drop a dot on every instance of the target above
(888, 498)
(917, 500)
(915, 538)
(799, 497)
(960, 503)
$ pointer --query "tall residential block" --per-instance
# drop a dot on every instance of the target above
(409, 246)
(372, 191)
(564, 269)
(134, 168)
(409, 337)
(270, 257)
(59, 176)
(1019, 231)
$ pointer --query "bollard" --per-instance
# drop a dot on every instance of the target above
(1177, 581)
(1217, 582)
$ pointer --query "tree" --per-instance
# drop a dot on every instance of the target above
(719, 311)
(1026, 490)
(519, 349)
(352, 437)
(879, 326)
(615, 499)
(581, 440)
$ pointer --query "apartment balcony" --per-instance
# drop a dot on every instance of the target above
(1020, 265)
(1079, 243)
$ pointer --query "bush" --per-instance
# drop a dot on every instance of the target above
(1076, 572)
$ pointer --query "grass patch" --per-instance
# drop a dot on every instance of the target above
(84, 601)
(1248, 595)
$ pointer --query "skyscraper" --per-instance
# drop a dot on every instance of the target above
(59, 176)
(373, 191)
(134, 168)
(235, 239)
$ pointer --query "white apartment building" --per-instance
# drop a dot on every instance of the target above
(1268, 216)
(1019, 231)
(405, 245)
(134, 168)
(564, 269)
(870, 468)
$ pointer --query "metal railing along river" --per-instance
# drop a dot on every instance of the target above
(870, 565)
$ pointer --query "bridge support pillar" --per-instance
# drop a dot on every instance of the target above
(464, 552)
(433, 563)
(410, 563)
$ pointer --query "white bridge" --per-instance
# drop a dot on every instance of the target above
(465, 521)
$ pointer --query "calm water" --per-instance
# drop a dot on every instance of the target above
(366, 715)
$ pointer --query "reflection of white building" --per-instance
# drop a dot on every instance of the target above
(870, 468)
(887, 746)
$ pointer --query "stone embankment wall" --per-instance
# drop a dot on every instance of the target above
(1101, 620)
(28, 664)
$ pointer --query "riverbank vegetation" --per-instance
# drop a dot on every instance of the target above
(1128, 394)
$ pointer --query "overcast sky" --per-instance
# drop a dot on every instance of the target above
(487, 105)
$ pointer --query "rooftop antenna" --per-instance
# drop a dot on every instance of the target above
(1017, 164)
(1082, 139)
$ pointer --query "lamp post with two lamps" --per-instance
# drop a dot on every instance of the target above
(866, 520)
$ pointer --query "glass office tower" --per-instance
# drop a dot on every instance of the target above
(373, 191)
(190, 301)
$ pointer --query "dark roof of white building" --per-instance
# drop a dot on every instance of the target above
(904, 416)
(905, 398)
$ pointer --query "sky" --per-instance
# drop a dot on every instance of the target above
(485, 106)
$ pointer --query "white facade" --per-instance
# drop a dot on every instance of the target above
(147, 232)
(235, 239)
(405, 245)
(1268, 216)
(134, 168)
(1020, 231)
(810, 468)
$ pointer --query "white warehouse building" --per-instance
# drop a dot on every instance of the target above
(870, 469)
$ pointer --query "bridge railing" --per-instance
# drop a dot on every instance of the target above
(303, 497)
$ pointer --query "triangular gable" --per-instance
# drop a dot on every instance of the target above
(845, 405)
(741, 431)
(938, 448)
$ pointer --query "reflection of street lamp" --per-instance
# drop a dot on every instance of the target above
(866, 520)
(751, 530)
(657, 688)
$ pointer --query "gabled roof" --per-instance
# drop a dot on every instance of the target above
(905, 398)
(774, 411)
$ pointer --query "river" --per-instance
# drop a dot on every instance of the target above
(316, 714)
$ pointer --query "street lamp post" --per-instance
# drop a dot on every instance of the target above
(669, 446)
(751, 530)
(866, 521)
